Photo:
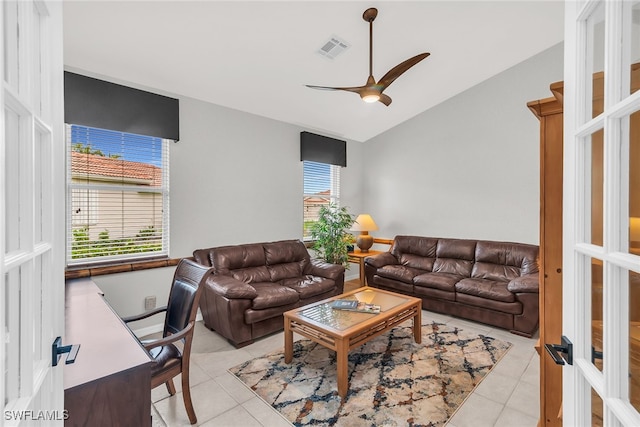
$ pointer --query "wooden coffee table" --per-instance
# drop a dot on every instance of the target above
(342, 330)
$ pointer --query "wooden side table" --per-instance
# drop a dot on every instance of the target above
(357, 257)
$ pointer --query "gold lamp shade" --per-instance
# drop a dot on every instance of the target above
(364, 223)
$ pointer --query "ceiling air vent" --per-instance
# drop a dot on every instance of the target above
(333, 47)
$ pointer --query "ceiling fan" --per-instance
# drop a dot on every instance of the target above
(372, 90)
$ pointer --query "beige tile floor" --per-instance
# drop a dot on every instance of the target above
(508, 396)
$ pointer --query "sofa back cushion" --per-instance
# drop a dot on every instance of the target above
(455, 256)
(415, 251)
(286, 259)
(504, 261)
(244, 262)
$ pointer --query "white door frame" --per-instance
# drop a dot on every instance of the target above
(612, 383)
(32, 208)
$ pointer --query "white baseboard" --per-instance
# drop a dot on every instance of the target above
(351, 276)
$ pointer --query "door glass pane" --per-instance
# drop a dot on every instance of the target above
(11, 43)
(635, 47)
(37, 301)
(12, 329)
(595, 70)
(595, 155)
(634, 183)
(596, 312)
(42, 186)
(37, 83)
(634, 339)
(596, 410)
(12, 174)
(37, 190)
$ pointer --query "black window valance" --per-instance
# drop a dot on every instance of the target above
(97, 103)
(322, 149)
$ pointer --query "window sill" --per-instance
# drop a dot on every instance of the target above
(76, 273)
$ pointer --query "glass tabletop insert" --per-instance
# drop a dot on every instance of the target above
(343, 319)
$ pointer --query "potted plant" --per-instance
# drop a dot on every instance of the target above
(330, 234)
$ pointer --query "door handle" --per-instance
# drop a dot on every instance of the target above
(561, 353)
(57, 350)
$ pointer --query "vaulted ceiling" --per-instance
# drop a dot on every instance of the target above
(257, 56)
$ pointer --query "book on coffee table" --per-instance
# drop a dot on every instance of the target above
(352, 305)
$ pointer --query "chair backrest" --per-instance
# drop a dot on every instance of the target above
(188, 282)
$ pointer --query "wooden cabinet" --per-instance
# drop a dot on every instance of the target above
(549, 112)
(110, 382)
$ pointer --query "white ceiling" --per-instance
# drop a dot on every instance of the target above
(257, 56)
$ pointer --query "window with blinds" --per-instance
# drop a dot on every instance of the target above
(321, 187)
(118, 196)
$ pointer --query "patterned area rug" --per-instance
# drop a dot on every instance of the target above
(392, 380)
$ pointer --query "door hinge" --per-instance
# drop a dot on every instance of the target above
(561, 353)
(57, 350)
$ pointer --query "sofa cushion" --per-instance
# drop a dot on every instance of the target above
(456, 249)
(497, 272)
(392, 285)
(254, 317)
(284, 271)
(489, 289)
(454, 257)
(309, 286)
(432, 294)
(286, 251)
(416, 245)
(417, 261)
(273, 295)
(226, 258)
(399, 272)
(251, 274)
(518, 255)
(442, 281)
(457, 267)
(514, 307)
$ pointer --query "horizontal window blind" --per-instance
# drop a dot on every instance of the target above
(118, 196)
(321, 187)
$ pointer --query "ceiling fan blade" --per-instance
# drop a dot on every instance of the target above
(356, 89)
(372, 90)
(385, 99)
(399, 69)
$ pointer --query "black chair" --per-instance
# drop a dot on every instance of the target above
(181, 309)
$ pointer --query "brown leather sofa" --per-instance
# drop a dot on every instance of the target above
(490, 282)
(254, 284)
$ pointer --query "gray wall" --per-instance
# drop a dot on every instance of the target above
(469, 167)
(235, 178)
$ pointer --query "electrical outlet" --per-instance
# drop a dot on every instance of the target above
(150, 302)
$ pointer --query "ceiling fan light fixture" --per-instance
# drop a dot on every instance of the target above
(370, 95)
(371, 98)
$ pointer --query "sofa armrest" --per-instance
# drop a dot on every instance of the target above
(529, 283)
(324, 269)
(381, 260)
(231, 288)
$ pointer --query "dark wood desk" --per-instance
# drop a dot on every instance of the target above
(110, 382)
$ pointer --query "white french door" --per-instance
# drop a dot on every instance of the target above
(601, 291)
(31, 211)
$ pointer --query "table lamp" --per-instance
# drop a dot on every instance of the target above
(364, 223)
